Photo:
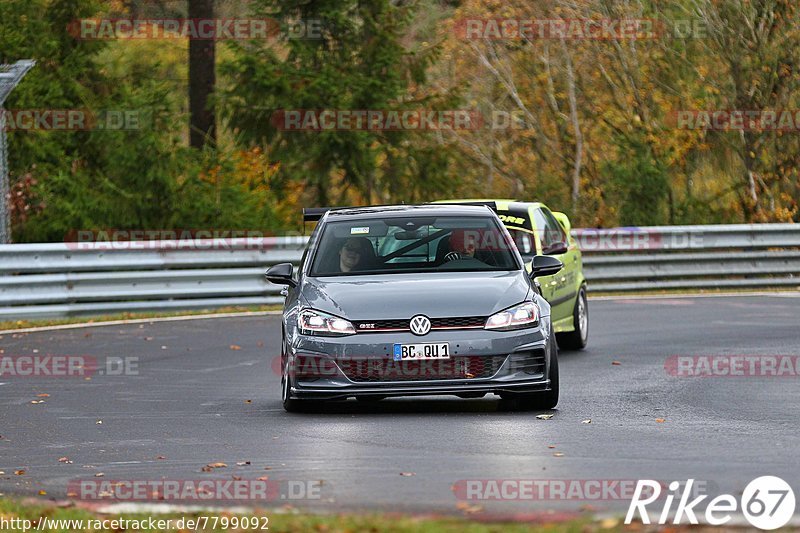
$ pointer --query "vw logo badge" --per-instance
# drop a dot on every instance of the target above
(420, 325)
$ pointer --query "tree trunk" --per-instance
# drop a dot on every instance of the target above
(202, 77)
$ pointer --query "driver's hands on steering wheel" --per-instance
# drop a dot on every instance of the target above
(452, 256)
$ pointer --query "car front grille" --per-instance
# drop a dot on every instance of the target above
(402, 324)
(458, 322)
(385, 370)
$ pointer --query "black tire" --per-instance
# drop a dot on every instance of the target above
(290, 404)
(293, 405)
(538, 401)
(577, 340)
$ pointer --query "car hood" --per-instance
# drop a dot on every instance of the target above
(395, 296)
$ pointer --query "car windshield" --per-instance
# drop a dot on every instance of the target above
(413, 244)
(524, 241)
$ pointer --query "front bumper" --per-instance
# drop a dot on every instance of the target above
(520, 363)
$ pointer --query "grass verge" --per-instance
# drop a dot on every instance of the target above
(45, 322)
(14, 513)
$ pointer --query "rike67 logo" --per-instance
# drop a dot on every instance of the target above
(767, 503)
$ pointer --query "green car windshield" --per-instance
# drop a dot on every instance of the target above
(413, 244)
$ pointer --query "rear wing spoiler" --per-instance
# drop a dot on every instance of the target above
(313, 214)
(490, 204)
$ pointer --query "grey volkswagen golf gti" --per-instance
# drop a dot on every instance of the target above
(415, 300)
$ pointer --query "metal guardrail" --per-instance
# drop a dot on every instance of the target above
(740, 256)
(62, 279)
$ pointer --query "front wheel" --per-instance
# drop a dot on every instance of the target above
(577, 340)
(290, 404)
(293, 405)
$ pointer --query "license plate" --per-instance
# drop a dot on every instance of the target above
(433, 350)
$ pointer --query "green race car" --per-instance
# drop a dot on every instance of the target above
(538, 231)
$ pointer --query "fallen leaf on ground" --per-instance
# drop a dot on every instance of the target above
(20, 472)
(544, 417)
(267, 468)
(469, 509)
(609, 523)
(660, 420)
(587, 421)
(407, 474)
(615, 363)
(235, 347)
(42, 493)
(43, 395)
(551, 446)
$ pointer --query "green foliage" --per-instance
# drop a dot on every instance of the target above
(639, 187)
(634, 166)
(359, 64)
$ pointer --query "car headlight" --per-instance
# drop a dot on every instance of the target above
(524, 315)
(313, 322)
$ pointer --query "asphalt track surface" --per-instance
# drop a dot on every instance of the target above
(197, 399)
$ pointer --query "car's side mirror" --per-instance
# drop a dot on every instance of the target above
(281, 274)
(563, 220)
(544, 265)
(557, 248)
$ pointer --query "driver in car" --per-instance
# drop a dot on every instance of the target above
(355, 254)
(462, 245)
